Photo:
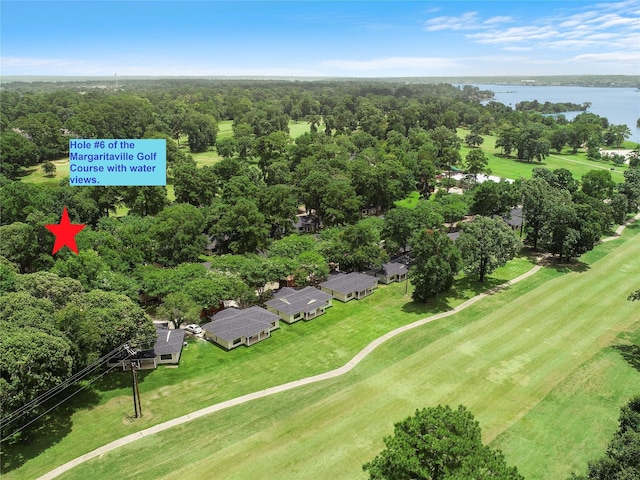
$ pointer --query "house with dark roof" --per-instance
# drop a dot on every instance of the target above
(292, 305)
(306, 223)
(515, 220)
(345, 287)
(166, 350)
(232, 327)
(391, 272)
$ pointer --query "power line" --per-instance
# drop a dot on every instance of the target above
(58, 404)
(24, 409)
(58, 388)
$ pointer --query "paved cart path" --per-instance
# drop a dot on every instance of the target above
(294, 384)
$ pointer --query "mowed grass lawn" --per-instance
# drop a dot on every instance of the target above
(207, 374)
(536, 343)
(575, 421)
(577, 164)
(210, 157)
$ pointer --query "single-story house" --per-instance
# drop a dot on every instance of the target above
(516, 219)
(392, 272)
(232, 327)
(306, 223)
(166, 350)
(292, 305)
(370, 211)
(345, 287)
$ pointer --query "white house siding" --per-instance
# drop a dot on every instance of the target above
(175, 357)
(287, 318)
(220, 341)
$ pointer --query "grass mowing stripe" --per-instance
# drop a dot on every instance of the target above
(208, 375)
(574, 422)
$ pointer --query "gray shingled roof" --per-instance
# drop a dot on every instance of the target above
(304, 220)
(516, 217)
(292, 301)
(393, 268)
(232, 323)
(168, 341)
(453, 235)
(351, 282)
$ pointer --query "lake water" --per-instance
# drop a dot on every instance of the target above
(619, 105)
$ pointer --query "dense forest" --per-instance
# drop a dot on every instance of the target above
(231, 227)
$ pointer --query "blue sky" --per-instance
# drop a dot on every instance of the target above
(329, 38)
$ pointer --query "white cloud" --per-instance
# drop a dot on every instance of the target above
(617, 57)
(466, 21)
(597, 28)
(601, 36)
(497, 20)
(517, 49)
(514, 35)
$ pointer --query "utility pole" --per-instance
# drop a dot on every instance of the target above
(134, 384)
(136, 392)
(137, 405)
(406, 283)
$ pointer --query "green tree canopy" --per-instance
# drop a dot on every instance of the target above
(179, 308)
(201, 130)
(398, 227)
(118, 320)
(439, 443)
(355, 247)
(32, 362)
(598, 184)
(177, 234)
(437, 262)
(24, 310)
(476, 163)
(494, 198)
(292, 245)
(16, 153)
(486, 244)
(48, 285)
(159, 282)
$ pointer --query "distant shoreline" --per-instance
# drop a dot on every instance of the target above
(610, 81)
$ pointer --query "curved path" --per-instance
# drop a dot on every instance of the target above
(621, 228)
(296, 383)
(279, 388)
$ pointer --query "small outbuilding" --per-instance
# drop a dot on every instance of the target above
(166, 351)
(345, 287)
(293, 305)
(232, 327)
(392, 272)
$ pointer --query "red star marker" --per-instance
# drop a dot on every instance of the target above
(65, 233)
